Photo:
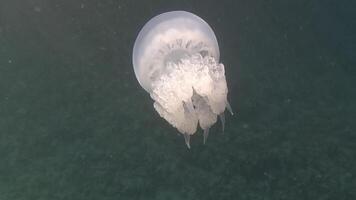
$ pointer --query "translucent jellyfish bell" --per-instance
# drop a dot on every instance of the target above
(176, 60)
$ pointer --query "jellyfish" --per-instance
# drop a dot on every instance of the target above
(176, 60)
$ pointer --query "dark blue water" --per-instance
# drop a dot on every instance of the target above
(75, 123)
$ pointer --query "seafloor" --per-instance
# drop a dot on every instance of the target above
(75, 124)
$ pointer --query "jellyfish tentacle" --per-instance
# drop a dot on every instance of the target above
(222, 119)
(228, 106)
(187, 139)
(206, 134)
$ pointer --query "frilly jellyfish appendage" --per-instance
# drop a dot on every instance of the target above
(176, 60)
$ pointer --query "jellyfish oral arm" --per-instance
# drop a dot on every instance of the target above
(193, 92)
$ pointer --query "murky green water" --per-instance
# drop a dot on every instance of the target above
(75, 123)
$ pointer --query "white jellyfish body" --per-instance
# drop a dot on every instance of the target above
(176, 60)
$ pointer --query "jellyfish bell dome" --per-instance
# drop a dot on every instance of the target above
(176, 60)
(168, 37)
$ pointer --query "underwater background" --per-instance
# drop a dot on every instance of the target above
(75, 123)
